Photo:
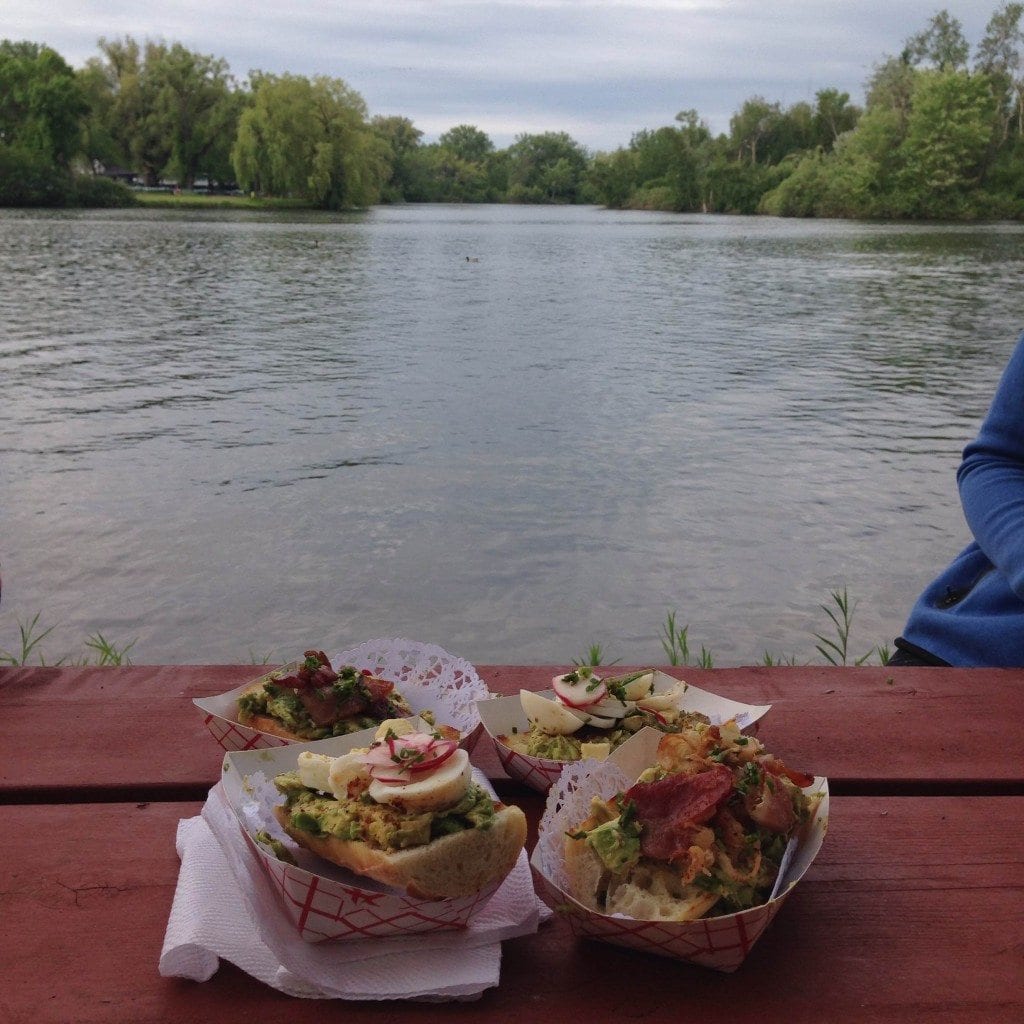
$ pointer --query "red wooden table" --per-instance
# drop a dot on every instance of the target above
(913, 911)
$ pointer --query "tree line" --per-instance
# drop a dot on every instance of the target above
(941, 135)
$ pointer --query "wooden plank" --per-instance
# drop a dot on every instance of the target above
(867, 729)
(912, 913)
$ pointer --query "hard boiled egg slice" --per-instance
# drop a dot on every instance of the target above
(549, 716)
(438, 789)
(598, 721)
(637, 689)
(668, 700)
(610, 707)
(315, 770)
(344, 770)
(394, 726)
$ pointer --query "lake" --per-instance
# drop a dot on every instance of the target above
(510, 431)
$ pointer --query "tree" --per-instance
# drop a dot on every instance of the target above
(833, 115)
(41, 103)
(41, 108)
(129, 118)
(613, 177)
(549, 167)
(194, 109)
(468, 143)
(999, 56)
(403, 140)
(309, 139)
(751, 126)
(947, 142)
(942, 44)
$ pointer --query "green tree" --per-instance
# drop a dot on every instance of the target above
(41, 103)
(613, 177)
(751, 125)
(944, 154)
(129, 116)
(999, 56)
(41, 109)
(403, 140)
(941, 44)
(833, 115)
(193, 108)
(468, 143)
(309, 139)
(546, 168)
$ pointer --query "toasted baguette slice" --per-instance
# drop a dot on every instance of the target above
(450, 866)
(266, 723)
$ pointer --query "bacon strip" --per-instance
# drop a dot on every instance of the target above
(669, 808)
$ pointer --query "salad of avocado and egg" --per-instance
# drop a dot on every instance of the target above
(590, 716)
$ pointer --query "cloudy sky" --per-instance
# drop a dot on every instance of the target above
(598, 70)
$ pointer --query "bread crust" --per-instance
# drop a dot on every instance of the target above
(445, 868)
(264, 723)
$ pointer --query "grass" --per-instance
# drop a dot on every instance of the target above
(32, 635)
(31, 638)
(594, 656)
(675, 642)
(199, 201)
(833, 646)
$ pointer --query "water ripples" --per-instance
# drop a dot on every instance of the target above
(229, 433)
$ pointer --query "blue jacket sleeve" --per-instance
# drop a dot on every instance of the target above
(991, 476)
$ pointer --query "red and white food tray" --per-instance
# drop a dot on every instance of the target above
(426, 675)
(502, 716)
(721, 942)
(322, 900)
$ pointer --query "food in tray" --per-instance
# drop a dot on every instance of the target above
(590, 716)
(701, 833)
(405, 812)
(310, 700)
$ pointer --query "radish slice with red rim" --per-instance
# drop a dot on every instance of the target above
(579, 690)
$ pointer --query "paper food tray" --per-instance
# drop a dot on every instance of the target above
(503, 715)
(722, 942)
(322, 900)
(426, 675)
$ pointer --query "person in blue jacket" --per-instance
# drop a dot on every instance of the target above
(972, 614)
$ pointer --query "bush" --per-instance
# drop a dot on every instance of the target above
(28, 179)
(100, 192)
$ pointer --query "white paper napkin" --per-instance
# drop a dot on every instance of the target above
(224, 909)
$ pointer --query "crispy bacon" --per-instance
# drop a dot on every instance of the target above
(770, 763)
(669, 809)
(314, 685)
(771, 805)
(307, 676)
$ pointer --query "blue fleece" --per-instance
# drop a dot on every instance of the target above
(973, 613)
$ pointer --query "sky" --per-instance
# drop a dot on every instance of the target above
(598, 70)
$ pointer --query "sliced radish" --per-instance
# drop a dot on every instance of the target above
(578, 690)
(398, 758)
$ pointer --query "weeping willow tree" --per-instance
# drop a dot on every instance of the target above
(309, 139)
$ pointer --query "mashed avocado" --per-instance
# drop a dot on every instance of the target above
(285, 704)
(537, 743)
(382, 825)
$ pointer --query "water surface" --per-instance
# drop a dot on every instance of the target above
(232, 436)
